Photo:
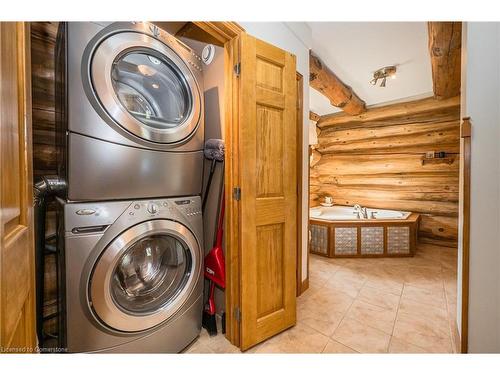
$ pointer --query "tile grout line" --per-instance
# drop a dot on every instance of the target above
(402, 292)
(397, 314)
(347, 346)
(343, 317)
(315, 329)
(451, 336)
(329, 338)
(347, 310)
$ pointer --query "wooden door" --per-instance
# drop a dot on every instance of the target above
(267, 152)
(17, 313)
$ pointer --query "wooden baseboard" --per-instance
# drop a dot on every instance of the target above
(304, 285)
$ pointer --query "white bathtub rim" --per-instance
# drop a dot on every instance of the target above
(326, 214)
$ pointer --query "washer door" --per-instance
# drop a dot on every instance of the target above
(145, 275)
(145, 87)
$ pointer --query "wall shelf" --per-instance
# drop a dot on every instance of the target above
(445, 160)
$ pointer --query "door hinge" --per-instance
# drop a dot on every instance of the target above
(237, 69)
(237, 193)
(237, 314)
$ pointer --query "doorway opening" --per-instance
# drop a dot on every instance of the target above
(384, 189)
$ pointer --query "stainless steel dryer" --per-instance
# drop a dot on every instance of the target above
(129, 103)
(132, 275)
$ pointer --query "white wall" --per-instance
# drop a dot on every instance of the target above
(481, 103)
(294, 37)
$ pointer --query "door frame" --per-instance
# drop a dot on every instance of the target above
(465, 135)
(302, 285)
(231, 179)
(226, 34)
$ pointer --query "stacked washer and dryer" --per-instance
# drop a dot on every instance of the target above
(131, 132)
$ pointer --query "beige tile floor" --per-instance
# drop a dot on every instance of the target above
(390, 305)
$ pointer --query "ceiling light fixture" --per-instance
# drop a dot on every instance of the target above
(382, 74)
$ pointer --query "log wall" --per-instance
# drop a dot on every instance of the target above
(377, 161)
(43, 40)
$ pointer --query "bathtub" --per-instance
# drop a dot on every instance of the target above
(338, 232)
(348, 213)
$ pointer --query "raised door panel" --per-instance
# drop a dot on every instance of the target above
(269, 154)
(17, 328)
(268, 181)
(269, 269)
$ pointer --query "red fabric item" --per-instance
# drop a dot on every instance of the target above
(215, 268)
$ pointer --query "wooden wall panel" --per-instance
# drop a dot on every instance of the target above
(377, 161)
(43, 42)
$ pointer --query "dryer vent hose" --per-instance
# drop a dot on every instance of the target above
(46, 187)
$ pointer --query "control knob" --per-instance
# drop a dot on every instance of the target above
(152, 208)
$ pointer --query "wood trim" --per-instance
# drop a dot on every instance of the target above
(215, 32)
(26, 100)
(302, 285)
(465, 133)
(231, 179)
(310, 152)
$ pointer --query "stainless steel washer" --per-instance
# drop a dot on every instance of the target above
(132, 275)
(130, 112)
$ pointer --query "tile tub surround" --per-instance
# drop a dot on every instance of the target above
(368, 305)
(364, 237)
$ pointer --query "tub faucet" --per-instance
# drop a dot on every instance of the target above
(361, 211)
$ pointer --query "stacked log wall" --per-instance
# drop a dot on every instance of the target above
(377, 160)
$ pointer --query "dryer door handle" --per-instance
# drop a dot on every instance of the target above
(91, 229)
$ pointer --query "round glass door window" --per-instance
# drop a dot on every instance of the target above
(150, 273)
(152, 89)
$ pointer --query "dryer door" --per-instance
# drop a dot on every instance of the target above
(145, 87)
(145, 275)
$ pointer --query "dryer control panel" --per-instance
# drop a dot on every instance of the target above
(166, 207)
(189, 207)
